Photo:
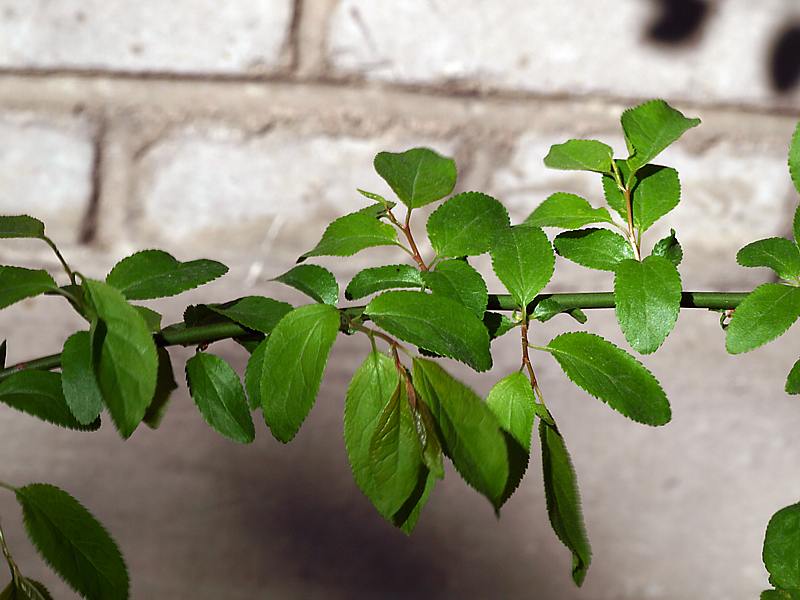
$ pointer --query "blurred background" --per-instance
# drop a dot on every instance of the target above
(237, 130)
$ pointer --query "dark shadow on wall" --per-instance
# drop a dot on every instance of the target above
(678, 21)
(785, 59)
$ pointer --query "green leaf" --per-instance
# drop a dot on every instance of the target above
(548, 308)
(523, 260)
(669, 248)
(657, 190)
(780, 595)
(793, 380)
(764, 314)
(428, 434)
(218, 393)
(796, 225)
(563, 500)
(782, 548)
(254, 312)
(512, 402)
(407, 517)
(434, 323)
(157, 274)
(466, 224)
(39, 394)
(151, 318)
(377, 279)
(294, 362)
(648, 299)
(612, 375)
(395, 455)
(81, 392)
(17, 284)
(457, 280)
(21, 226)
(314, 281)
(794, 158)
(567, 211)
(73, 542)
(779, 254)
(580, 155)
(25, 589)
(253, 374)
(471, 435)
(594, 248)
(124, 356)
(497, 324)
(165, 385)
(418, 176)
(352, 233)
(380, 208)
(651, 127)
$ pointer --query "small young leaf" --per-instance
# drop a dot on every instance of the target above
(648, 299)
(418, 176)
(352, 233)
(314, 281)
(580, 155)
(255, 312)
(457, 280)
(656, 191)
(765, 314)
(512, 402)
(165, 385)
(381, 206)
(669, 248)
(17, 284)
(567, 211)
(794, 158)
(253, 374)
(563, 500)
(466, 224)
(594, 248)
(471, 435)
(550, 307)
(294, 361)
(377, 279)
(782, 548)
(434, 323)
(21, 226)
(124, 356)
(73, 542)
(793, 380)
(157, 274)
(39, 394)
(25, 589)
(651, 127)
(523, 260)
(612, 375)
(81, 392)
(218, 393)
(779, 254)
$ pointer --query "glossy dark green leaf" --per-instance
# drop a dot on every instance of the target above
(17, 284)
(648, 299)
(563, 500)
(352, 233)
(255, 312)
(253, 374)
(39, 394)
(523, 260)
(418, 176)
(655, 191)
(378, 279)
(457, 280)
(794, 159)
(669, 248)
(651, 127)
(580, 155)
(435, 323)
(314, 281)
(793, 379)
(25, 589)
(124, 356)
(294, 361)
(73, 542)
(218, 393)
(594, 248)
(471, 435)
(782, 548)
(157, 274)
(21, 226)
(466, 224)
(165, 385)
(778, 254)
(612, 375)
(512, 402)
(765, 314)
(567, 211)
(78, 382)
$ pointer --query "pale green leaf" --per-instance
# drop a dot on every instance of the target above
(794, 159)
(378, 279)
(457, 280)
(567, 211)
(294, 361)
(437, 324)
(594, 248)
(612, 375)
(655, 192)
(78, 382)
(254, 312)
(17, 284)
(779, 254)
(512, 402)
(782, 548)
(466, 224)
(314, 281)
(21, 226)
(764, 314)
(669, 248)
(523, 260)
(352, 233)
(651, 127)
(580, 155)
(418, 176)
